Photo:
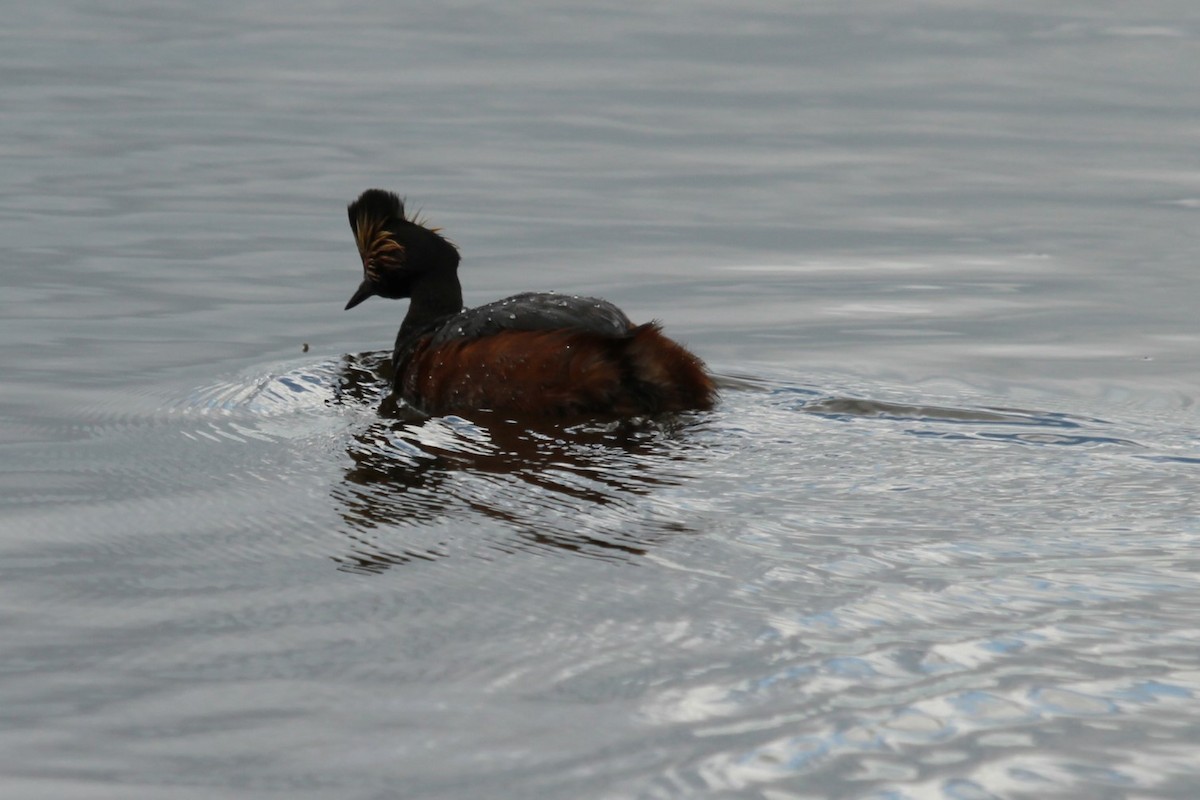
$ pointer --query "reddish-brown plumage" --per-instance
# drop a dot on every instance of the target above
(556, 373)
(533, 354)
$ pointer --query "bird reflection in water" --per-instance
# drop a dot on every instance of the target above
(559, 487)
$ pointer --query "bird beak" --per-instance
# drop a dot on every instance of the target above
(365, 290)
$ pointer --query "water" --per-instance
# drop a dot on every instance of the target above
(937, 541)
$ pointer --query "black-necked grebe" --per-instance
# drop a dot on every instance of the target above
(537, 354)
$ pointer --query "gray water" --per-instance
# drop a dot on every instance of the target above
(938, 540)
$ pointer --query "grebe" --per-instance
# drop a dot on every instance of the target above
(533, 354)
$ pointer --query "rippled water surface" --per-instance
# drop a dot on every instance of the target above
(940, 538)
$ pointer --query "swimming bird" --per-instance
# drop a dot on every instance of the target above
(537, 354)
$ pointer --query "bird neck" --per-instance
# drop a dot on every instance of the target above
(432, 298)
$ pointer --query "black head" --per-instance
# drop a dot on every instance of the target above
(399, 255)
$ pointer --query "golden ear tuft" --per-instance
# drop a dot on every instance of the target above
(378, 250)
(374, 217)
